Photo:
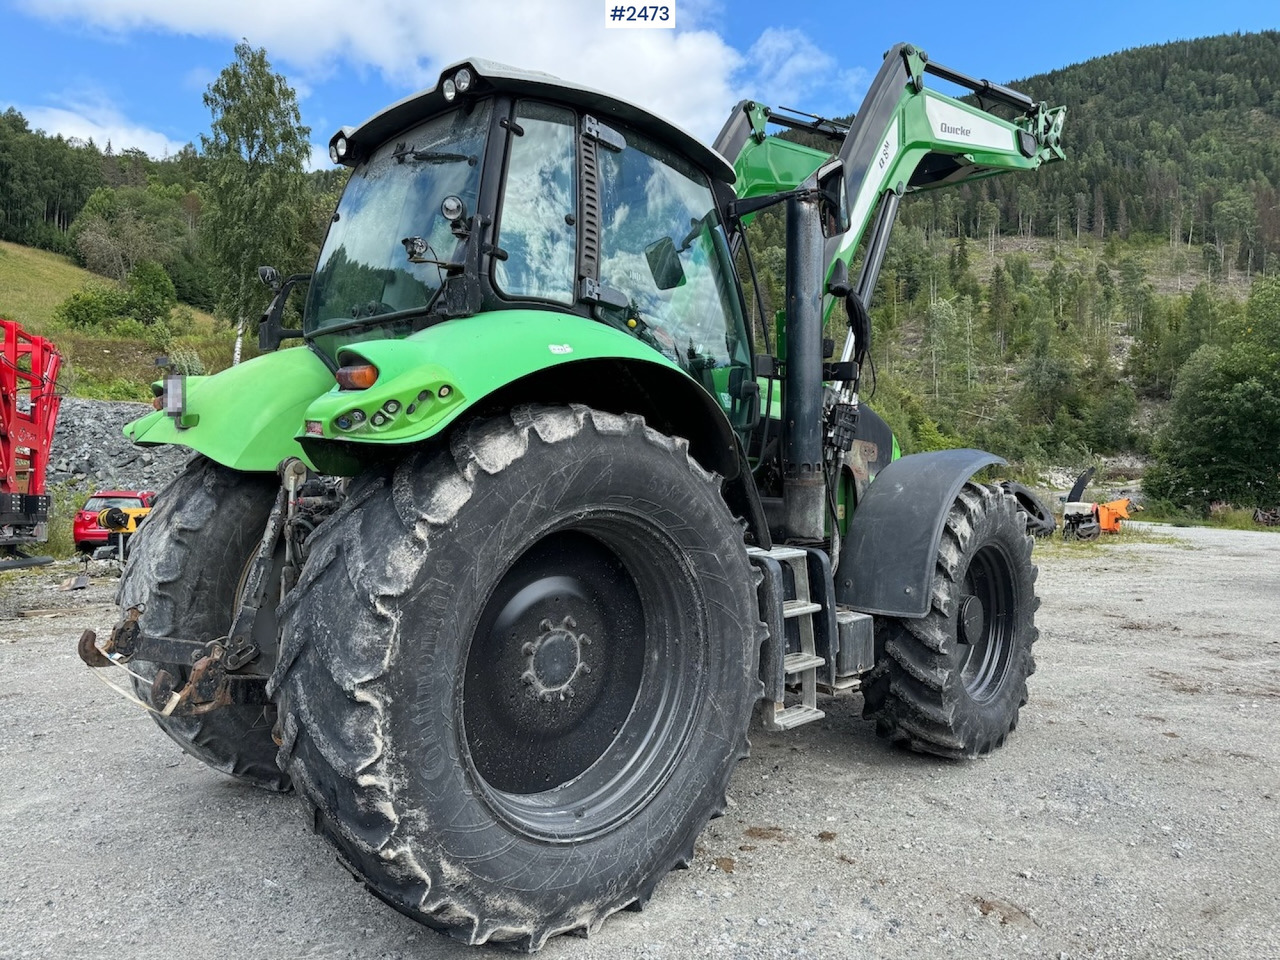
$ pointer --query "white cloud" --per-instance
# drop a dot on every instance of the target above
(789, 69)
(690, 75)
(788, 64)
(683, 74)
(319, 159)
(101, 122)
(199, 78)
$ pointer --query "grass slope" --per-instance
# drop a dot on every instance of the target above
(33, 283)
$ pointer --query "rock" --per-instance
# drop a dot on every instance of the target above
(90, 451)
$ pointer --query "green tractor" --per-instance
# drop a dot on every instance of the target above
(495, 567)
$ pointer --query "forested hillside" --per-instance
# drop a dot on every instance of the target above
(110, 211)
(1180, 141)
(1050, 318)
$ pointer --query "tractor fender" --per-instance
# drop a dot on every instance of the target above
(887, 557)
(245, 417)
(469, 365)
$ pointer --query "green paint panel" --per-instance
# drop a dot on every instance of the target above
(251, 416)
(427, 379)
(246, 416)
(768, 166)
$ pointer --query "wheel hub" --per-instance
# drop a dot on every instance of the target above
(555, 664)
(972, 620)
(554, 660)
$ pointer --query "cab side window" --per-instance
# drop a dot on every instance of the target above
(539, 203)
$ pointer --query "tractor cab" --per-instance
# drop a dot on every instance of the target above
(502, 190)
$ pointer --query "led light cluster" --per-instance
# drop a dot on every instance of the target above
(391, 411)
(341, 151)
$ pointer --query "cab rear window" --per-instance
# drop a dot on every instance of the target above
(98, 504)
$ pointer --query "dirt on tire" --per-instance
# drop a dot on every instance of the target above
(515, 727)
(184, 565)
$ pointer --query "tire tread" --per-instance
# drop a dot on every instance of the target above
(914, 693)
(333, 716)
(175, 535)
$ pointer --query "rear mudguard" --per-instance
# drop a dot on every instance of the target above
(287, 403)
(427, 380)
(887, 558)
(245, 417)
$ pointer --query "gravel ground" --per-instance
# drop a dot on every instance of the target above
(1134, 813)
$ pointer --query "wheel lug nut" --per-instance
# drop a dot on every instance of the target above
(585, 669)
(527, 678)
(568, 692)
(546, 697)
(545, 626)
(527, 649)
(568, 622)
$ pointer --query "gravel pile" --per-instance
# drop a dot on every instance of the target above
(90, 452)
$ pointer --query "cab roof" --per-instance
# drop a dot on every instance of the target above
(491, 77)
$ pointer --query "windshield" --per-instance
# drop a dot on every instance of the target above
(389, 212)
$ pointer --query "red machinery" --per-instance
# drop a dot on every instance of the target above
(28, 413)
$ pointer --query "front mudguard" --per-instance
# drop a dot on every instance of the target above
(887, 557)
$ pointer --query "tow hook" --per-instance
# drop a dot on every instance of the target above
(120, 646)
(124, 636)
(207, 689)
(89, 652)
(127, 642)
(208, 686)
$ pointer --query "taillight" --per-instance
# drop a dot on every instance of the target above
(357, 376)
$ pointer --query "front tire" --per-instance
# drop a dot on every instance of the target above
(184, 568)
(516, 675)
(951, 683)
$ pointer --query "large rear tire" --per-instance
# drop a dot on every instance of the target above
(952, 682)
(184, 567)
(516, 675)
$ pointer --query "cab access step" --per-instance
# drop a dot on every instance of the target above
(814, 644)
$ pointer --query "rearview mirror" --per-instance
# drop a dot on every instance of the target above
(270, 277)
(271, 331)
(664, 264)
(833, 198)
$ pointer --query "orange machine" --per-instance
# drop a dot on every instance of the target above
(1110, 515)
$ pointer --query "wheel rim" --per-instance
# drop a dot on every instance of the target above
(266, 625)
(985, 623)
(583, 678)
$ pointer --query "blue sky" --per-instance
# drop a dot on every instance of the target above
(133, 71)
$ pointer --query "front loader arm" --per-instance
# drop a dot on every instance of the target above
(906, 137)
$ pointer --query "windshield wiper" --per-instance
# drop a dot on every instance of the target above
(404, 152)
